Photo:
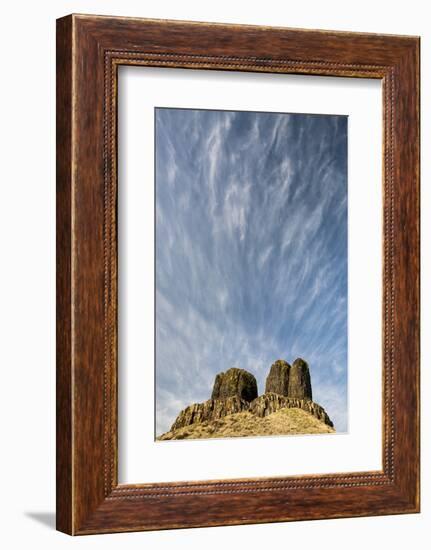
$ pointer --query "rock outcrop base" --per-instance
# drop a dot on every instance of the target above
(269, 403)
(213, 409)
(262, 406)
(244, 424)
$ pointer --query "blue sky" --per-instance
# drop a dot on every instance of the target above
(251, 252)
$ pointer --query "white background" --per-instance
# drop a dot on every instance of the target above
(141, 458)
(27, 229)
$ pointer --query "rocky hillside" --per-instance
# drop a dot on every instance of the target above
(236, 410)
(245, 424)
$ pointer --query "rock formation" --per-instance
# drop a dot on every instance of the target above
(235, 382)
(299, 380)
(235, 395)
(278, 378)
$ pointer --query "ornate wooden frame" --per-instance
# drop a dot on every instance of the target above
(89, 51)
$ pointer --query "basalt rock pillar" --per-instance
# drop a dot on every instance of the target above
(277, 380)
(299, 380)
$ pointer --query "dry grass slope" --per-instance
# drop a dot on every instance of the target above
(283, 422)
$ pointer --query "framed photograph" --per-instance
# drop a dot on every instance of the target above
(237, 274)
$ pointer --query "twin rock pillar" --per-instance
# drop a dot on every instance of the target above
(290, 381)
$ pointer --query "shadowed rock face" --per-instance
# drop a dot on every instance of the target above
(299, 380)
(235, 382)
(278, 378)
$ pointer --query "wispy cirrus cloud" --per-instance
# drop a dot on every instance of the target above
(251, 251)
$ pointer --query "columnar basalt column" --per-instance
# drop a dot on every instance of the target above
(299, 380)
(277, 380)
